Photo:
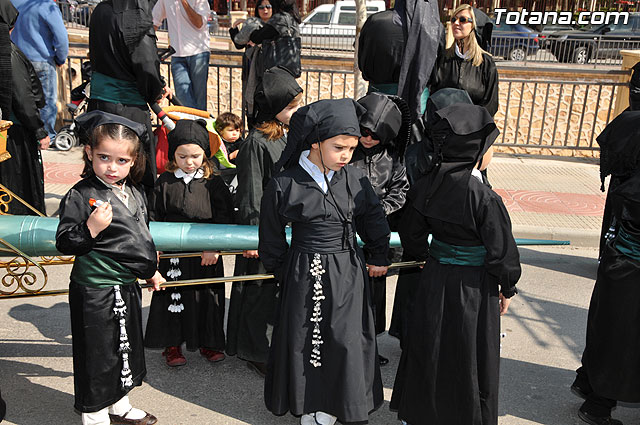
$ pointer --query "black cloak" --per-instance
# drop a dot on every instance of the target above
(8, 16)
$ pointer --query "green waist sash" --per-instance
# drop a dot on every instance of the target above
(628, 245)
(100, 271)
(445, 253)
(113, 90)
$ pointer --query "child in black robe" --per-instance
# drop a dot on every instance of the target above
(449, 368)
(190, 191)
(379, 154)
(253, 303)
(323, 361)
(610, 370)
(104, 223)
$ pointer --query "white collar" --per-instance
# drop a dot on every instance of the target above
(477, 174)
(118, 191)
(464, 56)
(314, 171)
(188, 177)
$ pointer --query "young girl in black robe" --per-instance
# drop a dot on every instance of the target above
(323, 361)
(104, 223)
(449, 368)
(191, 191)
(252, 305)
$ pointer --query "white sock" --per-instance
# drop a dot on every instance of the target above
(101, 417)
(325, 418)
(307, 419)
(123, 407)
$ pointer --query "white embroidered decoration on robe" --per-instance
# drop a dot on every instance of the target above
(316, 340)
(174, 273)
(120, 310)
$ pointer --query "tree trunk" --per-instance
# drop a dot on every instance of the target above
(359, 86)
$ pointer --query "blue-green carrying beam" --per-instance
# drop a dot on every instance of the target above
(36, 236)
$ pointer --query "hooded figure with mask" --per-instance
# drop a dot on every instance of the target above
(323, 362)
(22, 173)
(253, 303)
(126, 68)
(380, 152)
(449, 368)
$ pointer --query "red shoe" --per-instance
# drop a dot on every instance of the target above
(174, 356)
(212, 355)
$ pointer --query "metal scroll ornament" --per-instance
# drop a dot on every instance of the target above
(22, 272)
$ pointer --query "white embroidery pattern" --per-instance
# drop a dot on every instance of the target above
(120, 310)
(174, 273)
(316, 340)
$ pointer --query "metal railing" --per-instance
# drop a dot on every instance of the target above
(542, 114)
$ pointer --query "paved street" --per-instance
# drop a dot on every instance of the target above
(547, 198)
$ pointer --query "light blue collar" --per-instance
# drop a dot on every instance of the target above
(315, 172)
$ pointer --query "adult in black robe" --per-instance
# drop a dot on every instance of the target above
(449, 368)
(457, 69)
(253, 303)
(340, 374)
(384, 166)
(200, 321)
(23, 173)
(123, 49)
(8, 16)
(607, 374)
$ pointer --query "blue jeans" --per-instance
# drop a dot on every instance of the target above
(49, 79)
(190, 74)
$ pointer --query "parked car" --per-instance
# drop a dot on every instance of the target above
(333, 26)
(595, 41)
(513, 41)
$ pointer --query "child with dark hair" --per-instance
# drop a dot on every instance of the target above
(229, 127)
(253, 303)
(323, 361)
(104, 223)
(191, 191)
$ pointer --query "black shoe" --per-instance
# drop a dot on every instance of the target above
(597, 420)
(580, 392)
(259, 367)
(382, 360)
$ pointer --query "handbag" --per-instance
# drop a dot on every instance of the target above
(282, 51)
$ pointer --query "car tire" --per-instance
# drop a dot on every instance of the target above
(65, 139)
(517, 54)
(580, 55)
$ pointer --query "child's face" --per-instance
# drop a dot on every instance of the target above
(189, 157)
(230, 134)
(368, 139)
(111, 159)
(335, 152)
(284, 116)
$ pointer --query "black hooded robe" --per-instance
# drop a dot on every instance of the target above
(449, 368)
(347, 384)
(130, 54)
(253, 303)
(23, 173)
(95, 330)
(613, 340)
(201, 323)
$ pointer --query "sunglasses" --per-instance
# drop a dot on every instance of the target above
(462, 19)
(264, 6)
(368, 133)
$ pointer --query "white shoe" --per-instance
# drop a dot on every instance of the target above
(325, 418)
(308, 419)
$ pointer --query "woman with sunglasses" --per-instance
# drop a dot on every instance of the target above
(465, 65)
(240, 38)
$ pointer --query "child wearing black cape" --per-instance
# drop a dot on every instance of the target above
(323, 361)
(449, 368)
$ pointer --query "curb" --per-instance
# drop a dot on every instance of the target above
(585, 238)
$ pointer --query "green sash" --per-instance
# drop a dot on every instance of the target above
(113, 90)
(628, 245)
(100, 271)
(445, 253)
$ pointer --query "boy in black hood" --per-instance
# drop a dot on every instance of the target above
(380, 154)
